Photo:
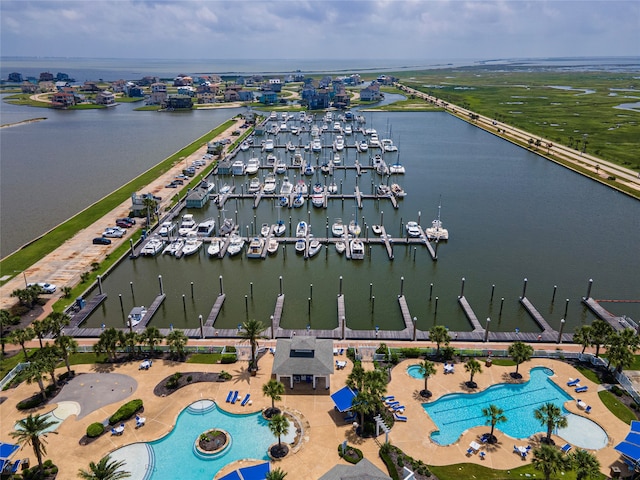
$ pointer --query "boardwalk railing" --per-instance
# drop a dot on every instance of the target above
(12, 374)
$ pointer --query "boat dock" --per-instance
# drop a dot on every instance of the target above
(215, 311)
(150, 313)
(387, 243)
(536, 316)
(471, 316)
(78, 318)
(618, 323)
(404, 309)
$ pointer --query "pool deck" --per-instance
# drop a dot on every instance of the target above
(324, 428)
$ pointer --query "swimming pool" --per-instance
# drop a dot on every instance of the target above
(171, 456)
(455, 413)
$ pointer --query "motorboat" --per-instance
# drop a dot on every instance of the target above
(301, 245)
(271, 160)
(338, 144)
(235, 245)
(413, 229)
(318, 188)
(337, 229)
(298, 201)
(283, 201)
(382, 168)
(284, 127)
(383, 190)
(269, 183)
(252, 166)
(291, 147)
(135, 316)
(297, 160)
(337, 127)
(226, 188)
(279, 228)
(337, 160)
(213, 250)
(353, 228)
(281, 167)
(154, 245)
(363, 146)
(254, 185)
(227, 226)
(244, 146)
(340, 247)
(387, 145)
(268, 146)
(301, 187)
(332, 188)
(302, 229)
(398, 191)
(357, 249)
(167, 228)
(191, 244)
(316, 145)
(254, 250)
(314, 247)
(376, 229)
(348, 130)
(206, 228)
(396, 168)
(309, 170)
(272, 246)
(265, 229)
(237, 168)
(326, 167)
(315, 131)
(187, 224)
(174, 248)
(317, 200)
(286, 188)
(435, 231)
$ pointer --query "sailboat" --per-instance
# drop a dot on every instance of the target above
(435, 231)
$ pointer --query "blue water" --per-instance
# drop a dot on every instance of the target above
(455, 413)
(174, 453)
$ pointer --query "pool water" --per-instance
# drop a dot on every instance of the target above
(174, 454)
(455, 413)
(414, 371)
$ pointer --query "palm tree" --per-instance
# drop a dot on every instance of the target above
(276, 474)
(427, 369)
(40, 328)
(472, 366)
(48, 357)
(251, 331)
(66, 345)
(6, 319)
(279, 425)
(582, 336)
(494, 416)
(152, 337)
(28, 296)
(32, 430)
(56, 321)
(108, 343)
(550, 416)
(519, 352)
(274, 390)
(177, 340)
(585, 464)
(440, 335)
(600, 332)
(548, 460)
(355, 379)
(22, 336)
(368, 399)
(150, 205)
(36, 372)
(105, 469)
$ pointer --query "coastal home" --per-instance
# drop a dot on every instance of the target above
(28, 87)
(197, 198)
(303, 359)
(47, 86)
(206, 97)
(63, 99)
(46, 77)
(147, 81)
(138, 207)
(178, 102)
(134, 91)
(268, 98)
(371, 93)
(182, 80)
(90, 87)
(187, 90)
(14, 77)
(231, 95)
(106, 98)
(321, 99)
(118, 86)
(245, 95)
(158, 93)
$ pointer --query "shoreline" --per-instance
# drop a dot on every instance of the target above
(23, 122)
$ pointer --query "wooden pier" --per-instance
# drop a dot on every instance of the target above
(536, 316)
(151, 311)
(404, 309)
(387, 243)
(471, 316)
(85, 312)
(603, 314)
(215, 311)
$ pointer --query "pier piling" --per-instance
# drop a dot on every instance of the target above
(560, 331)
(493, 288)
(184, 302)
(553, 297)
(415, 329)
(131, 286)
(121, 304)
(566, 307)
(221, 286)
(191, 289)
(486, 330)
(280, 284)
(524, 289)
(501, 305)
(589, 288)
(201, 326)
(160, 282)
(430, 290)
(100, 292)
(462, 288)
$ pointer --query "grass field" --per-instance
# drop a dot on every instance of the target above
(584, 118)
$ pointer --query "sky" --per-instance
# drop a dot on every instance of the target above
(296, 29)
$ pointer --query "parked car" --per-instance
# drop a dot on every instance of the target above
(130, 220)
(171, 185)
(123, 224)
(101, 241)
(46, 287)
(178, 181)
(112, 233)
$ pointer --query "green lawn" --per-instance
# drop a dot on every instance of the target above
(616, 407)
(479, 472)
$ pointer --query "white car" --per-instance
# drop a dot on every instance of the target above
(112, 233)
(46, 287)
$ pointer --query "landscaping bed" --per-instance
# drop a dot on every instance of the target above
(173, 383)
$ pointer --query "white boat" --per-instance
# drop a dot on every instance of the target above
(174, 248)
(301, 187)
(281, 167)
(332, 188)
(376, 229)
(191, 244)
(435, 231)
(298, 201)
(374, 142)
(413, 229)
(268, 146)
(353, 228)
(226, 188)
(291, 147)
(302, 229)
(336, 159)
(301, 245)
(244, 146)
(213, 250)
(398, 191)
(316, 145)
(265, 229)
(383, 190)
(187, 224)
(315, 131)
(237, 168)
(252, 166)
(279, 228)
(326, 167)
(227, 226)
(136, 315)
(167, 229)
(317, 200)
(269, 183)
(272, 247)
(314, 247)
(338, 144)
(235, 246)
(154, 245)
(309, 170)
(337, 127)
(284, 201)
(357, 249)
(362, 146)
(271, 160)
(396, 168)
(337, 229)
(254, 250)
(340, 247)
(254, 185)
(286, 188)
(348, 130)
(206, 228)
(318, 188)
(388, 146)
(297, 159)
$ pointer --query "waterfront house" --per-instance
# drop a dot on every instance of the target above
(46, 77)
(63, 99)
(303, 359)
(206, 97)
(134, 91)
(182, 80)
(119, 86)
(14, 77)
(187, 90)
(224, 167)
(245, 95)
(231, 95)
(138, 208)
(90, 87)
(178, 102)
(28, 87)
(106, 98)
(158, 93)
(197, 198)
(371, 93)
(268, 98)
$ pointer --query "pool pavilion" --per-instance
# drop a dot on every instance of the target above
(303, 359)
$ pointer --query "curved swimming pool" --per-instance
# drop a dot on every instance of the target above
(455, 413)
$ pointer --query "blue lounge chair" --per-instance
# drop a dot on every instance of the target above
(485, 437)
(565, 448)
(245, 400)
(482, 455)
(14, 467)
(389, 398)
(400, 418)
(392, 404)
(573, 383)
(341, 351)
(234, 399)
(469, 452)
(581, 389)
(398, 407)
(588, 409)
(229, 396)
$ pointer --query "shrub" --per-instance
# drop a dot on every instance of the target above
(189, 378)
(351, 454)
(231, 349)
(410, 352)
(228, 358)
(633, 406)
(225, 375)
(173, 380)
(395, 358)
(95, 430)
(126, 411)
(617, 391)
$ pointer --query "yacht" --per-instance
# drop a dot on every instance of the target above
(388, 146)
(353, 228)
(317, 200)
(254, 185)
(281, 167)
(269, 183)
(374, 142)
(271, 160)
(167, 229)
(314, 247)
(332, 188)
(187, 224)
(174, 248)
(357, 249)
(237, 168)
(298, 201)
(301, 245)
(206, 228)
(272, 246)
(336, 159)
(396, 167)
(348, 130)
(297, 160)
(435, 231)
(286, 188)
(362, 146)
(383, 190)
(291, 147)
(337, 229)
(302, 229)
(413, 229)
(268, 146)
(227, 226)
(316, 145)
(279, 228)
(154, 245)
(235, 246)
(338, 144)
(265, 229)
(254, 250)
(135, 316)
(301, 187)
(340, 247)
(244, 146)
(398, 191)
(309, 170)
(213, 250)
(252, 166)
(191, 244)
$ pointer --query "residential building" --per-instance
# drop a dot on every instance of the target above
(268, 98)
(178, 102)
(206, 97)
(46, 77)
(303, 359)
(371, 93)
(158, 93)
(106, 98)
(63, 99)
(14, 77)
(245, 95)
